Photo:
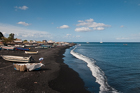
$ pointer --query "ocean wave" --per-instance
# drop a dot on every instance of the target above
(96, 72)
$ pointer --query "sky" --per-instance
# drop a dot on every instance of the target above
(71, 20)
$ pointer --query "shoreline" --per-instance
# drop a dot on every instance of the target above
(54, 77)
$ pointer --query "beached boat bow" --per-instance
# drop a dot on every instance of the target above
(29, 52)
(17, 58)
(27, 66)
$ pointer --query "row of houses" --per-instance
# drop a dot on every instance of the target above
(35, 43)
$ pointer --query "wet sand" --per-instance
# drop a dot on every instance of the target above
(54, 77)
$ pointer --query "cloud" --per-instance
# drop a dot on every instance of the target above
(63, 26)
(80, 21)
(121, 26)
(90, 20)
(68, 34)
(138, 4)
(82, 29)
(89, 23)
(23, 33)
(78, 36)
(122, 38)
(23, 23)
(21, 7)
(98, 28)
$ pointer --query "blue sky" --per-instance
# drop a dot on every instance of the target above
(71, 20)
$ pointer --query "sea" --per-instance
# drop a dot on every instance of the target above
(108, 67)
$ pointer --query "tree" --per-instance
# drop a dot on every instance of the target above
(1, 35)
(25, 41)
(11, 37)
(5, 40)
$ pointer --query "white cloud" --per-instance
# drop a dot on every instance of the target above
(98, 28)
(122, 26)
(23, 33)
(82, 29)
(78, 36)
(68, 34)
(23, 23)
(90, 20)
(89, 23)
(21, 7)
(63, 26)
(122, 38)
(80, 21)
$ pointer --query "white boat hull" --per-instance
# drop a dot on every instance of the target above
(16, 58)
(27, 66)
(28, 52)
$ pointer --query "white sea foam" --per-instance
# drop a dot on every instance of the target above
(96, 72)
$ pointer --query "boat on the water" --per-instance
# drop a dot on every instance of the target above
(29, 52)
(27, 66)
(23, 49)
(101, 41)
(17, 58)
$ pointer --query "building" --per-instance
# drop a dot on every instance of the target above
(18, 41)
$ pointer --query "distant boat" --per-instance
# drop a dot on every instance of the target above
(101, 41)
(87, 42)
(79, 44)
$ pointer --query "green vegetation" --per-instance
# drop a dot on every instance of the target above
(6, 40)
(1, 36)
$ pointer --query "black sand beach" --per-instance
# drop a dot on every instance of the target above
(54, 77)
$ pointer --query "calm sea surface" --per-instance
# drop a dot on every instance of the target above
(106, 67)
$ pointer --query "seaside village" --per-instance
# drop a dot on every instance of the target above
(24, 63)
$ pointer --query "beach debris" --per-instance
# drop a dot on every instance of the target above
(41, 59)
(35, 82)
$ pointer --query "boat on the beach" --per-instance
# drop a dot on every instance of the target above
(27, 66)
(8, 47)
(29, 52)
(17, 58)
(23, 49)
(41, 47)
(19, 46)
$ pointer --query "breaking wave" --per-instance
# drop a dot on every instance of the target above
(96, 72)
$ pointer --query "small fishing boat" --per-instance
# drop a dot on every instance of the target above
(23, 49)
(101, 41)
(19, 46)
(29, 52)
(17, 58)
(41, 47)
(27, 66)
(8, 47)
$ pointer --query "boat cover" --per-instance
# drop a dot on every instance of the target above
(27, 66)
